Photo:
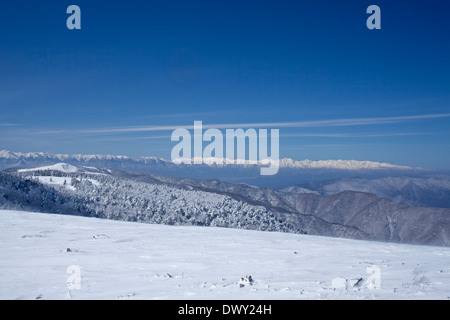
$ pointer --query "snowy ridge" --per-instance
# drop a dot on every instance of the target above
(341, 164)
(303, 164)
(63, 167)
(283, 163)
(4, 154)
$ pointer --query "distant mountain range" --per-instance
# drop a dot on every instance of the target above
(9, 158)
(291, 172)
(427, 191)
(414, 186)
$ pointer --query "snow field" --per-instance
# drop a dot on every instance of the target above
(127, 260)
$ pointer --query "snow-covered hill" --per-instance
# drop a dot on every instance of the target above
(42, 256)
(151, 201)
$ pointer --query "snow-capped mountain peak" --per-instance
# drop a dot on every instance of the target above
(303, 164)
(341, 164)
(283, 163)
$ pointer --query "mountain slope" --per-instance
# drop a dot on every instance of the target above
(120, 198)
(164, 199)
(427, 191)
(380, 218)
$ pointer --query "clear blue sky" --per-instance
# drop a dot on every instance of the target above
(310, 67)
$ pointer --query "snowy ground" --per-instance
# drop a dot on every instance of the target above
(41, 256)
(56, 181)
(62, 181)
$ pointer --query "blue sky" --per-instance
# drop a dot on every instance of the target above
(335, 89)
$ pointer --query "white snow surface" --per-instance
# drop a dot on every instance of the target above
(56, 181)
(127, 260)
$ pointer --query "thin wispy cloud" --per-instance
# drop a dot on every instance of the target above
(346, 122)
(354, 135)
(9, 124)
(151, 138)
(298, 124)
(328, 146)
(185, 114)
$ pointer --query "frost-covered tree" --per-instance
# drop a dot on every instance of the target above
(110, 197)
